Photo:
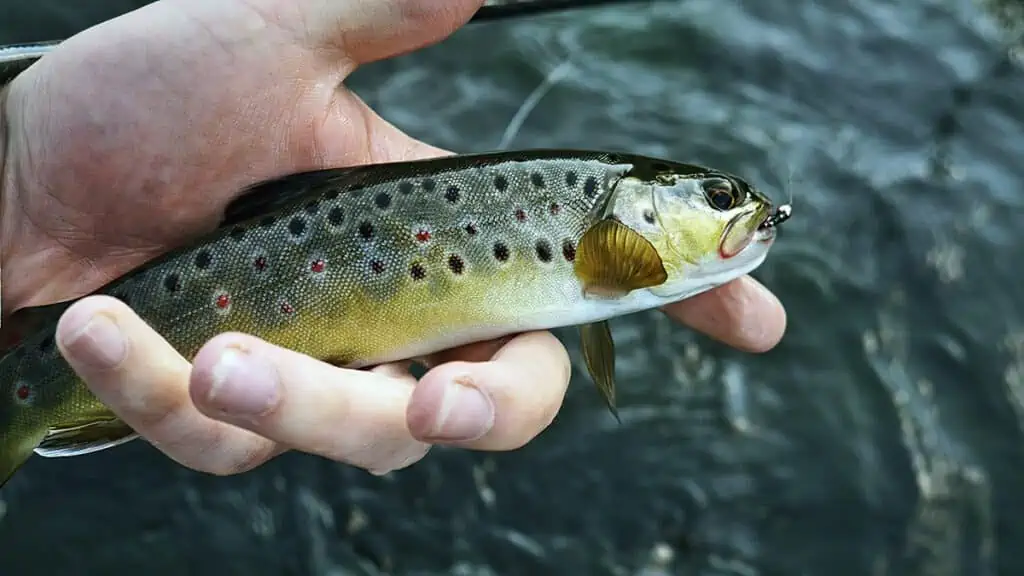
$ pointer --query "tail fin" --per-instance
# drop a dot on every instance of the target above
(15, 450)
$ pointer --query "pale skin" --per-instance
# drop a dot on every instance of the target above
(132, 138)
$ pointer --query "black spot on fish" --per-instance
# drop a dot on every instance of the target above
(312, 207)
(417, 272)
(452, 194)
(590, 186)
(649, 216)
(365, 230)
(203, 259)
(537, 179)
(46, 344)
(377, 266)
(568, 251)
(456, 264)
(570, 179)
(172, 282)
(471, 229)
(405, 187)
(501, 183)
(267, 222)
(237, 233)
(297, 226)
(336, 216)
(429, 185)
(543, 249)
(382, 200)
(501, 252)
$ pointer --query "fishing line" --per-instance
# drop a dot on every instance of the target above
(556, 75)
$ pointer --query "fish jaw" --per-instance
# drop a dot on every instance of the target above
(716, 271)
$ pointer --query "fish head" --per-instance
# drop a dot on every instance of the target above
(707, 226)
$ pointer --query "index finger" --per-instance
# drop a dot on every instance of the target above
(743, 314)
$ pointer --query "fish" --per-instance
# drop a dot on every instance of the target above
(370, 264)
(363, 265)
(502, 9)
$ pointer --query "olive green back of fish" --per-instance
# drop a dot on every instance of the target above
(351, 266)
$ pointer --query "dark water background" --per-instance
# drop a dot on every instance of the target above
(882, 437)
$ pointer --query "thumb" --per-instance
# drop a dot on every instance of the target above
(369, 30)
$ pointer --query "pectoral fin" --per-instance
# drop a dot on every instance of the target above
(612, 260)
(599, 355)
(85, 438)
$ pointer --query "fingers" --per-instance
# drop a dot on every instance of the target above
(142, 379)
(351, 416)
(500, 404)
(475, 352)
(369, 30)
(743, 314)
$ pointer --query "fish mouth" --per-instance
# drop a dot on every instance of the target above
(768, 228)
(773, 218)
(739, 233)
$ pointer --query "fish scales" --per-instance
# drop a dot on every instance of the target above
(382, 271)
(373, 273)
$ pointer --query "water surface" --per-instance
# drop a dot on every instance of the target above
(883, 436)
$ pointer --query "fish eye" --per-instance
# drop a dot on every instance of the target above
(721, 193)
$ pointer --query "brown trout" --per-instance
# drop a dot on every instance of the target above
(369, 264)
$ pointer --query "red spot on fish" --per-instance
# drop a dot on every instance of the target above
(318, 266)
(568, 251)
(520, 215)
(223, 301)
(423, 236)
(555, 209)
(287, 308)
(23, 392)
(260, 264)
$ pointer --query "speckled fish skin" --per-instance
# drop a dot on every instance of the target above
(371, 264)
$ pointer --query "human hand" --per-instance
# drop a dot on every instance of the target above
(132, 137)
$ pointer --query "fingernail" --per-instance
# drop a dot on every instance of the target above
(98, 343)
(466, 413)
(243, 384)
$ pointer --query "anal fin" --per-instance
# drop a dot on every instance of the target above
(599, 355)
(85, 438)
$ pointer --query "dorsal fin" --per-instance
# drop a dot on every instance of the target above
(270, 196)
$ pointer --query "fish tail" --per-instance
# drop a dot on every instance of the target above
(15, 450)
